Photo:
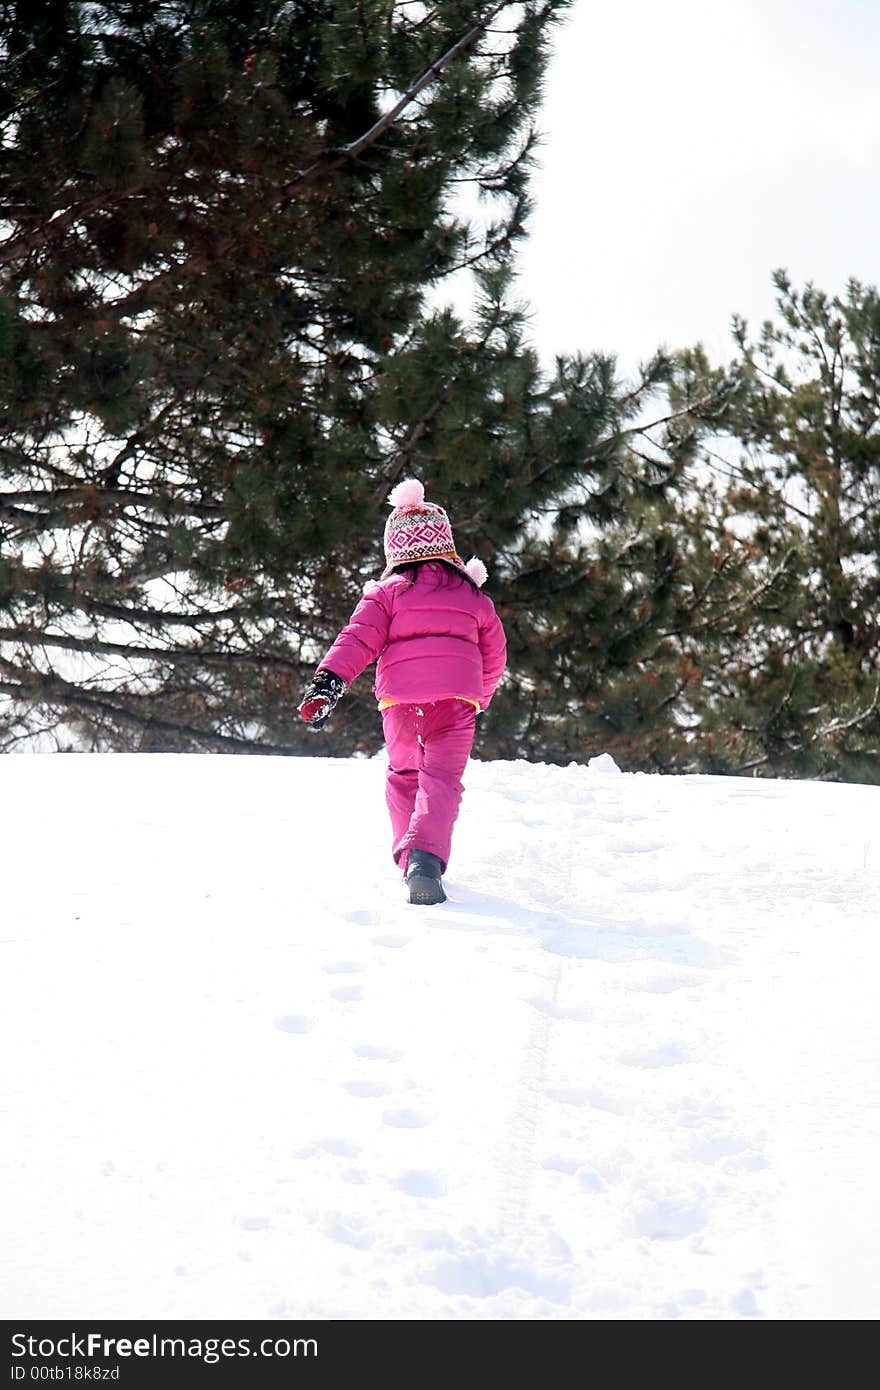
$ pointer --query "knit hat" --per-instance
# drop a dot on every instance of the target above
(420, 530)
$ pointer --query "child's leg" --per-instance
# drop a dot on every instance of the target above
(446, 729)
(402, 779)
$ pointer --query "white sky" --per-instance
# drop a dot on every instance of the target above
(692, 147)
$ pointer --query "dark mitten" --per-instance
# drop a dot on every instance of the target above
(319, 699)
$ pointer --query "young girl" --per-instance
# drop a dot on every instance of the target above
(441, 651)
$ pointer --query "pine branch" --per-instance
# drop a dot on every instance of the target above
(80, 600)
(153, 617)
(403, 455)
(838, 725)
(52, 690)
(334, 159)
(331, 160)
(661, 420)
(192, 656)
(14, 247)
(60, 505)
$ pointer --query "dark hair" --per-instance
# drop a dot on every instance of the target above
(412, 567)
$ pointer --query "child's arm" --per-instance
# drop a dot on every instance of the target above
(359, 643)
(362, 638)
(493, 650)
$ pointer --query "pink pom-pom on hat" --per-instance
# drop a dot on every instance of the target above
(420, 530)
(477, 571)
(409, 493)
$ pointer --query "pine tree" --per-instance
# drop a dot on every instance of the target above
(796, 463)
(221, 223)
(225, 227)
(539, 471)
(620, 603)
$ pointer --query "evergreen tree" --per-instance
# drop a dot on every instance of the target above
(621, 604)
(794, 467)
(221, 220)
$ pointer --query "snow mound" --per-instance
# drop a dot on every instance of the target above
(627, 1071)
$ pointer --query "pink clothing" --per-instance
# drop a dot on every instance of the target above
(440, 646)
(435, 637)
(428, 746)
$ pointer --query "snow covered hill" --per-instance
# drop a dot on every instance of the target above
(628, 1071)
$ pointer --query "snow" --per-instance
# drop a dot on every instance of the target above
(628, 1071)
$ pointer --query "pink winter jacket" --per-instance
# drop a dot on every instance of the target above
(436, 637)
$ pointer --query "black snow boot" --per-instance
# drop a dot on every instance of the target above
(423, 878)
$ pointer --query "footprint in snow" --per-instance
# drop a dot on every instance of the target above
(588, 1180)
(587, 1177)
(746, 1304)
(669, 1219)
(366, 1090)
(348, 1230)
(295, 1023)
(342, 1148)
(419, 1183)
(255, 1223)
(734, 1154)
(371, 1053)
(406, 1117)
(362, 918)
(344, 967)
(558, 1163)
(479, 1275)
(394, 941)
(584, 1096)
(349, 994)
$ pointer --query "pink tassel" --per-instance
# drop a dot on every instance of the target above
(409, 493)
(477, 571)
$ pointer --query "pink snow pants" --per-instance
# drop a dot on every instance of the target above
(428, 746)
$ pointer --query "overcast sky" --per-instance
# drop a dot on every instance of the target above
(691, 147)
